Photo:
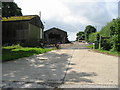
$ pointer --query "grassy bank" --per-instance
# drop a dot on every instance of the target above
(108, 52)
(104, 51)
(17, 51)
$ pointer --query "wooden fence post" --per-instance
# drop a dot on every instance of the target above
(100, 42)
(93, 45)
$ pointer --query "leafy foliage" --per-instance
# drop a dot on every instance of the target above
(10, 9)
(105, 44)
(94, 37)
(80, 35)
(112, 29)
(88, 30)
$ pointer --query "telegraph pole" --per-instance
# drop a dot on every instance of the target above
(40, 15)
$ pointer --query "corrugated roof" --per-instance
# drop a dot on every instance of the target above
(17, 18)
(55, 29)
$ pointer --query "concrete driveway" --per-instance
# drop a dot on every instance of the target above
(73, 66)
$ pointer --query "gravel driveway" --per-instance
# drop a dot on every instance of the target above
(73, 66)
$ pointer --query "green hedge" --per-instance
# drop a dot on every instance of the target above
(105, 31)
(112, 27)
(93, 37)
(112, 30)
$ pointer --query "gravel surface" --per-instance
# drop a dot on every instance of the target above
(71, 66)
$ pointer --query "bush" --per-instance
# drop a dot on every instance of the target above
(94, 37)
(115, 43)
(105, 44)
(88, 30)
(112, 30)
(96, 44)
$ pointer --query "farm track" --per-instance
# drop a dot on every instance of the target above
(73, 66)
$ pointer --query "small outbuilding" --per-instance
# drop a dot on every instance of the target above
(26, 30)
(55, 35)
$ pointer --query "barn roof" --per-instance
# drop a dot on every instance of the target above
(18, 18)
(55, 29)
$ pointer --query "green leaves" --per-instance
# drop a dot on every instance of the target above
(94, 37)
(85, 35)
(80, 35)
(88, 30)
(10, 9)
(112, 30)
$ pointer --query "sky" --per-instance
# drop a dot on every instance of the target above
(71, 16)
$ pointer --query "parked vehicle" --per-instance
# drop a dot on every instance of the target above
(83, 41)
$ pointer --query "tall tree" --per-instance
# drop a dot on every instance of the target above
(80, 35)
(10, 9)
(88, 30)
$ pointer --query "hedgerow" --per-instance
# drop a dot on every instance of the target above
(112, 31)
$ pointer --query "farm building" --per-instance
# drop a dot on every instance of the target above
(26, 30)
(55, 35)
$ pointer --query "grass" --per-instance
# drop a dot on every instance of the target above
(104, 51)
(17, 51)
(89, 46)
(108, 52)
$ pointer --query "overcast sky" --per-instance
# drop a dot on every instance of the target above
(71, 15)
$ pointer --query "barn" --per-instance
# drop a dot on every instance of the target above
(55, 35)
(26, 30)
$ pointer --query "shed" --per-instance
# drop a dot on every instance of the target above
(55, 35)
(26, 30)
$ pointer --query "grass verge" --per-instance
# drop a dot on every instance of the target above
(17, 51)
(104, 51)
(108, 52)
(89, 46)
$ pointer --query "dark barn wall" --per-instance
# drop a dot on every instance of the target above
(13, 32)
(25, 32)
(55, 36)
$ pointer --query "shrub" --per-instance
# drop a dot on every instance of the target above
(88, 30)
(112, 30)
(94, 37)
(96, 44)
(115, 43)
(105, 44)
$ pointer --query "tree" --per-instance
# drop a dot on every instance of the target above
(10, 9)
(115, 35)
(88, 30)
(80, 35)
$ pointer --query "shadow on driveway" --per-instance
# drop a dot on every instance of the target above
(48, 69)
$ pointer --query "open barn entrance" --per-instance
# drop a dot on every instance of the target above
(55, 38)
(51, 36)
